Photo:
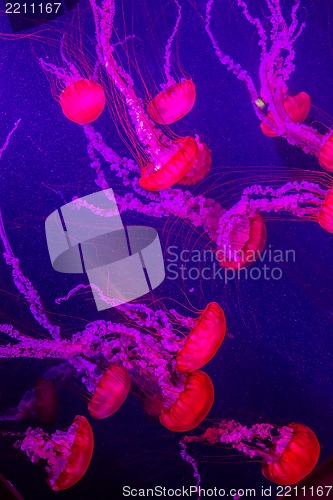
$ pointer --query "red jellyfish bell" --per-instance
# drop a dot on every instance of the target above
(110, 393)
(246, 245)
(298, 459)
(192, 404)
(79, 458)
(204, 339)
(173, 103)
(174, 167)
(297, 107)
(326, 155)
(82, 101)
(325, 218)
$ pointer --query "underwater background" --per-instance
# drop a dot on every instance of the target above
(276, 363)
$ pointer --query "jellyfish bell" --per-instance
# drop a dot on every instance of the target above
(325, 156)
(287, 454)
(299, 457)
(67, 453)
(82, 101)
(204, 339)
(172, 103)
(297, 107)
(110, 393)
(325, 217)
(192, 404)
(246, 242)
(201, 167)
(170, 166)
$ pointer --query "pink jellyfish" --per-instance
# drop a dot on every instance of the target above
(82, 101)
(288, 453)
(168, 161)
(67, 453)
(175, 99)
(280, 114)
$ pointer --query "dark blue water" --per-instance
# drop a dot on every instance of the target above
(276, 364)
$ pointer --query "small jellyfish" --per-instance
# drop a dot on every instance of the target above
(83, 101)
(325, 156)
(191, 406)
(325, 217)
(67, 453)
(204, 339)
(297, 107)
(172, 103)
(288, 453)
(247, 240)
(110, 393)
(168, 171)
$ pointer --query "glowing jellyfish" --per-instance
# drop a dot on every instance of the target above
(67, 453)
(192, 405)
(279, 114)
(325, 217)
(147, 352)
(173, 167)
(172, 103)
(299, 457)
(288, 453)
(110, 393)
(247, 239)
(297, 107)
(201, 167)
(83, 101)
(204, 339)
(326, 154)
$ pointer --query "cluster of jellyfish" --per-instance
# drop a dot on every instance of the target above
(162, 354)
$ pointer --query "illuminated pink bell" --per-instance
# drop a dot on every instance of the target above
(297, 107)
(173, 103)
(83, 101)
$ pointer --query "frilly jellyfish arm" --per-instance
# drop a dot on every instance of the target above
(226, 60)
(167, 65)
(190, 460)
(256, 23)
(302, 199)
(146, 132)
(25, 287)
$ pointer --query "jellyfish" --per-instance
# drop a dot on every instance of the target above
(297, 107)
(175, 99)
(280, 114)
(192, 405)
(288, 453)
(110, 393)
(204, 339)
(172, 103)
(173, 168)
(325, 217)
(82, 101)
(168, 160)
(247, 240)
(41, 402)
(242, 234)
(67, 453)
